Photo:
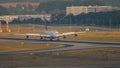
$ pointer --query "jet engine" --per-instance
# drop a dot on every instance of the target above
(64, 37)
(41, 38)
(27, 36)
(75, 35)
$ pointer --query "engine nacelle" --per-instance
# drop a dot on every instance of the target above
(27, 36)
(64, 37)
(75, 35)
(41, 38)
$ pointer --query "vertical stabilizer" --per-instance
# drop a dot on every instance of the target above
(46, 28)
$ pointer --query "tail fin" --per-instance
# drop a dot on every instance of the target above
(46, 28)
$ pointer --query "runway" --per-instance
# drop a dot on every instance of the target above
(69, 44)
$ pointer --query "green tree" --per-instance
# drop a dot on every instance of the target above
(3, 11)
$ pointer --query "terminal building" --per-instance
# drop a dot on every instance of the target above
(76, 10)
(8, 18)
(24, 17)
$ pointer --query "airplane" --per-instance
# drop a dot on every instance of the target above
(51, 34)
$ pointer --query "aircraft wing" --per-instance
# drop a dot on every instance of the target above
(29, 34)
(70, 33)
(33, 34)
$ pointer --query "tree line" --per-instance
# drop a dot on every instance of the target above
(59, 6)
(104, 19)
(3, 11)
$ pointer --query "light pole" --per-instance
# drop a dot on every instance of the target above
(7, 26)
(1, 27)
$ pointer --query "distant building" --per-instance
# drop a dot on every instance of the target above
(14, 4)
(19, 7)
(75, 10)
(8, 17)
(24, 17)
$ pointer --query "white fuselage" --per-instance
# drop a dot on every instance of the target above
(52, 33)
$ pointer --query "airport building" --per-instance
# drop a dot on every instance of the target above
(15, 4)
(8, 17)
(24, 17)
(76, 10)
